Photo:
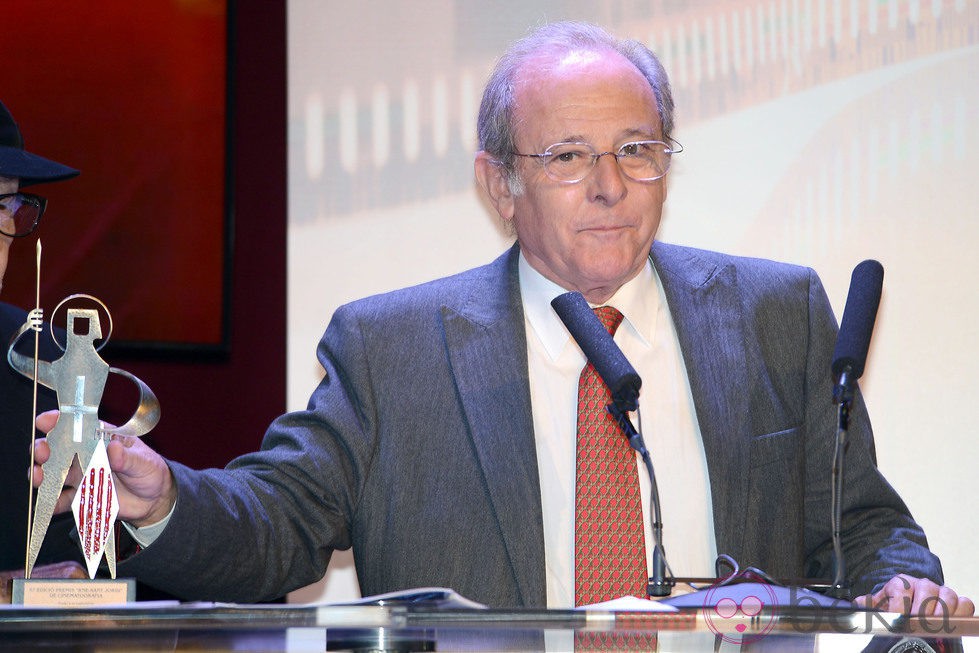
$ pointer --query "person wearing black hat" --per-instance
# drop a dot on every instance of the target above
(20, 213)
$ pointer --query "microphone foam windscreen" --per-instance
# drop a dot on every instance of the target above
(598, 347)
(859, 315)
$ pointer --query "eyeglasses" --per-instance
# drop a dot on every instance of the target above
(639, 160)
(20, 213)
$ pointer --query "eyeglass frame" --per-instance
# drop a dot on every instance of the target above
(595, 156)
(41, 203)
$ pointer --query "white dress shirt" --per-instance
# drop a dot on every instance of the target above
(666, 418)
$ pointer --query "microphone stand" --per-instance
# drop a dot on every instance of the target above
(660, 583)
(843, 396)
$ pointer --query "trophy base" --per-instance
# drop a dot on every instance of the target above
(73, 593)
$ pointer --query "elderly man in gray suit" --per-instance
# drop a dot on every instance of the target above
(441, 441)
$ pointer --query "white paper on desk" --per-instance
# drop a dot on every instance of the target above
(629, 604)
(433, 597)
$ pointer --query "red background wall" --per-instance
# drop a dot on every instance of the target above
(134, 95)
(217, 407)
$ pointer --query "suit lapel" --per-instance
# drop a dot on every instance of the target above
(486, 343)
(703, 301)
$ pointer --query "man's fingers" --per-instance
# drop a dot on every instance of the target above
(125, 440)
(46, 421)
(965, 608)
(896, 595)
(42, 451)
(123, 453)
(926, 595)
(917, 597)
(950, 603)
(41, 454)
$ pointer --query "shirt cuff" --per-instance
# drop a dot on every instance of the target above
(146, 535)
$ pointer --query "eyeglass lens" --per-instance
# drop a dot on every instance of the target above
(19, 213)
(641, 160)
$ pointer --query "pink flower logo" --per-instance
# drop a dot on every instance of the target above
(741, 611)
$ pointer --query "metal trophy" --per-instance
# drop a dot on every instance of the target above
(79, 378)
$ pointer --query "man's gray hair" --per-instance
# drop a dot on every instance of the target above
(495, 128)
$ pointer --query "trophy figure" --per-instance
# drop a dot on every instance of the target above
(79, 379)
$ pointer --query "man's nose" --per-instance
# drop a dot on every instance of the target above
(607, 179)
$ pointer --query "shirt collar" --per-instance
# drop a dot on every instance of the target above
(638, 301)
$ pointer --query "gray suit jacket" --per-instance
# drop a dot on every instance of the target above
(417, 448)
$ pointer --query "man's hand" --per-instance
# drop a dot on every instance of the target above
(917, 597)
(143, 481)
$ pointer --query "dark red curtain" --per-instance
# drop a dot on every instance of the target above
(133, 95)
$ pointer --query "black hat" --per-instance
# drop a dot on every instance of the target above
(16, 162)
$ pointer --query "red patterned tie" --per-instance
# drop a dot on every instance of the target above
(610, 546)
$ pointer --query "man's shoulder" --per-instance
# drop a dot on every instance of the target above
(671, 258)
(11, 319)
(484, 285)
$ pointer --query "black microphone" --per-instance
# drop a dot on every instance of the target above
(849, 358)
(856, 327)
(623, 381)
(599, 348)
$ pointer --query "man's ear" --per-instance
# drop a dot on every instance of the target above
(492, 178)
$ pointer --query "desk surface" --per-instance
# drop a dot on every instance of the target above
(213, 627)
